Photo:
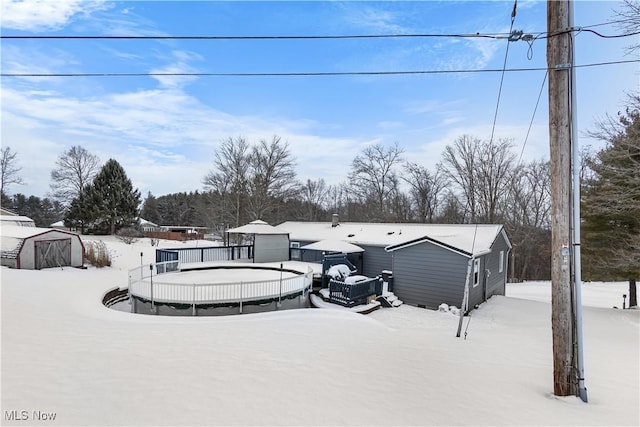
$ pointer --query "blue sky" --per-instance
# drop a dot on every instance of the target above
(164, 130)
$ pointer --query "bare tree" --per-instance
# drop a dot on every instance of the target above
(75, 168)
(314, 194)
(272, 177)
(453, 211)
(229, 179)
(338, 200)
(372, 177)
(494, 171)
(526, 212)
(630, 20)
(9, 169)
(425, 189)
(481, 171)
(459, 161)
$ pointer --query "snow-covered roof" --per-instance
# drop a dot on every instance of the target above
(257, 227)
(5, 211)
(13, 235)
(334, 246)
(466, 238)
(17, 220)
(58, 224)
(145, 222)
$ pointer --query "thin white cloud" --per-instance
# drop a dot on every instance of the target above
(45, 15)
(390, 125)
(374, 18)
(16, 60)
(179, 65)
(164, 138)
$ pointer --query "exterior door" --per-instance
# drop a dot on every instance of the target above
(52, 253)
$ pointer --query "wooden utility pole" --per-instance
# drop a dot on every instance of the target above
(559, 65)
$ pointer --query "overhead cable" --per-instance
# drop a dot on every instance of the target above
(495, 36)
(504, 67)
(293, 37)
(304, 74)
(535, 109)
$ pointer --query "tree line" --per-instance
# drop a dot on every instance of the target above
(475, 181)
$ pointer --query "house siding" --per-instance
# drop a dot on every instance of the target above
(476, 292)
(374, 260)
(429, 275)
(495, 283)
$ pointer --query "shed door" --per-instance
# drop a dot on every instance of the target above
(53, 253)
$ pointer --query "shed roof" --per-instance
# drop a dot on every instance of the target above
(334, 245)
(464, 238)
(257, 227)
(14, 235)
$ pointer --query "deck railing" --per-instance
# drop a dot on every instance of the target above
(205, 254)
(350, 294)
(147, 285)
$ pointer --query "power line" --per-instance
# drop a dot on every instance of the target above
(308, 74)
(292, 37)
(535, 109)
(495, 36)
(615, 36)
(504, 67)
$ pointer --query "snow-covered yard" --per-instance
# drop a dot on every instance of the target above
(65, 353)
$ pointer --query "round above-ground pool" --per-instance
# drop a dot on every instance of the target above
(218, 289)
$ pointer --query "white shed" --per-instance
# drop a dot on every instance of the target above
(270, 244)
(36, 248)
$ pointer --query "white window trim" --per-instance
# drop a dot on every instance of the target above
(476, 272)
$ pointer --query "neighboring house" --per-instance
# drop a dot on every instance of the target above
(5, 211)
(429, 261)
(59, 225)
(19, 220)
(176, 232)
(36, 248)
(147, 226)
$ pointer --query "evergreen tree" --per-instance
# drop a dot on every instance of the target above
(150, 209)
(611, 208)
(81, 212)
(113, 199)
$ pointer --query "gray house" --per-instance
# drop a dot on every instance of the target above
(429, 261)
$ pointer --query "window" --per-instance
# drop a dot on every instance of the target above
(501, 263)
(476, 272)
(295, 245)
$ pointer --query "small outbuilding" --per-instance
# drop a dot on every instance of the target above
(16, 220)
(36, 248)
(270, 244)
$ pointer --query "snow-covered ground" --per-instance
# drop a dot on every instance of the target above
(64, 353)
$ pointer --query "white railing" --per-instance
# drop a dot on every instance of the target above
(143, 284)
(147, 270)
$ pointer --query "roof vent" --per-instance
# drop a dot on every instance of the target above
(390, 233)
(350, 235)
(335, 220)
